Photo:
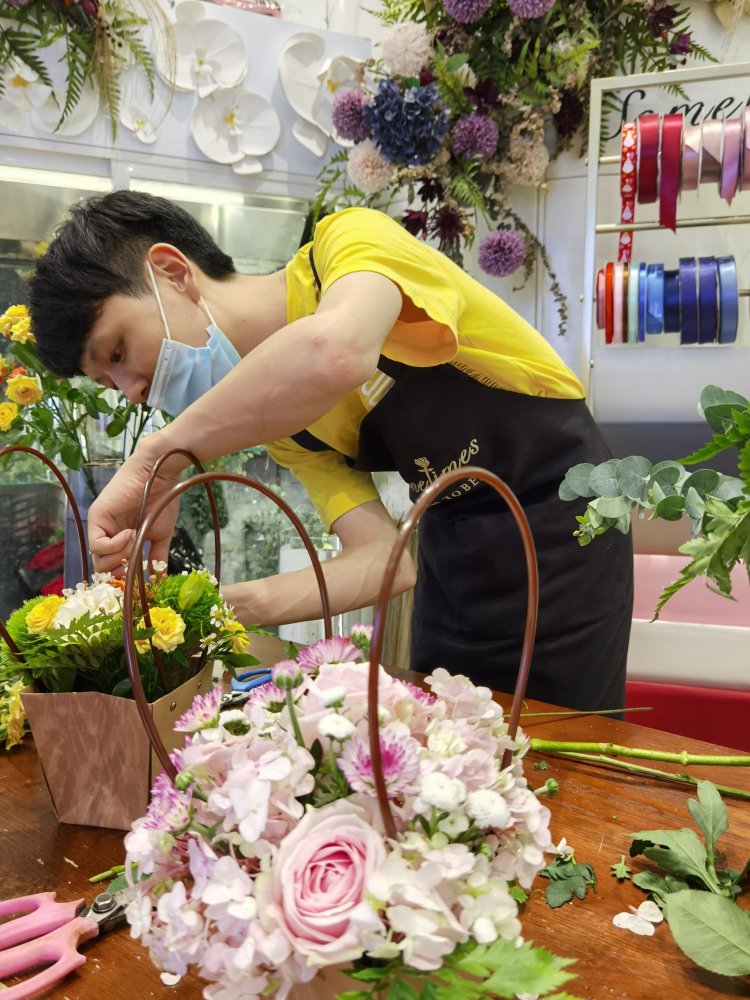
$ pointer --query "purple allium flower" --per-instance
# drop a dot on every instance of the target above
(335, 650)
(346, 114)
(474, 135)
(414, 221)
(202, 714)
(502, 252)
(529, 9)
(466, 11)
(406, 127)
(286, 675)
(400, 759)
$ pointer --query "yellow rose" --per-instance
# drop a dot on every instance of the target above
(12, 315)
(21, 331)
(170, 630)
(8, 413)
(41, 616)
(4, 367)
(24, 389)
(239, 640)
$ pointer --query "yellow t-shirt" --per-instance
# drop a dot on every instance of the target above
(447, 317)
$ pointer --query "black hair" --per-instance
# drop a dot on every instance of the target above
(100, 251)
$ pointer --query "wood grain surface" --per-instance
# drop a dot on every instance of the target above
(596, 810)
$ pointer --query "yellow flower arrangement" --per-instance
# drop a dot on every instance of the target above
(238, 635)
(43, 411)
(12, 715)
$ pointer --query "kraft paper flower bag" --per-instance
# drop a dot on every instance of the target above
(68, 651)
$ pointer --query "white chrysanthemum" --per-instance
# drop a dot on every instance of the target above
(335, 726)
(333, 695)
(442, 792)
(368, 168)
(407, 48)
(488, 809)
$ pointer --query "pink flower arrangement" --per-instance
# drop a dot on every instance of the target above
(267, 861)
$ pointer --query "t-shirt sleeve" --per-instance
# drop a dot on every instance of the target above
(363, 239)
(332, 485)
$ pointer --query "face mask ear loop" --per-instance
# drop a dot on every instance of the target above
(158, 300)
(208, 311)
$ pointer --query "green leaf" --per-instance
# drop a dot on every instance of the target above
(680, 852)
(190, 592)
(704, 481)
(603, 479)
(659, 887)
(620, 870)
(711, 930)
(612, 506)
(666, 474)
(671, 508)
(710, 814)
(567, 879)
(71, 455)
(577, 479)
(632, 475)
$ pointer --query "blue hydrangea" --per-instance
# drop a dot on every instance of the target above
(407, 127)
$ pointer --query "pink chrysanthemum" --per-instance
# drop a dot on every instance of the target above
(406, 48)
(368, 168)
(335, 650)
(169, 808)
(502, 252)
(529, 9)
(474, 135)
(426, 697)
(202, 714)
(346, 114)
(400, 757)
(466, 11)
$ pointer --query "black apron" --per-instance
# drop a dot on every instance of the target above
(470, 597)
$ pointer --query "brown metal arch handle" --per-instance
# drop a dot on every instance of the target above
(135, 570)
(76, 516)
(424, 501)
(142, 508)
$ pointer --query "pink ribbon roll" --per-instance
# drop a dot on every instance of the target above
(730, 159)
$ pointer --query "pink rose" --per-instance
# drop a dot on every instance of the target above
(318, 882)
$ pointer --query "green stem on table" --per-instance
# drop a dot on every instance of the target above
(651, 772)
(109, 874)
(615, 750)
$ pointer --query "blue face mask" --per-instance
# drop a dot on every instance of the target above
(183, 373)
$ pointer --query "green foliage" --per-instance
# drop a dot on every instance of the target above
(567, 878)
(718, 506)
(697, 897)
(97, 47)
(471, 972)
(620, 870)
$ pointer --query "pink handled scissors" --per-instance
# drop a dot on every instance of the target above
(49, 932)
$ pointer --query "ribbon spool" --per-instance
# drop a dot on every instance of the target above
(426, 498)
(135, 574)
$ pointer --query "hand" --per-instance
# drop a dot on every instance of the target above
(112, 519)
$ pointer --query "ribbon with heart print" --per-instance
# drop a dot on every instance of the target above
(627, 188)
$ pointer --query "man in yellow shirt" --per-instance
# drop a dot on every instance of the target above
(369, 351)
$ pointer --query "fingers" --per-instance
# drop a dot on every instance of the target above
(109, 554)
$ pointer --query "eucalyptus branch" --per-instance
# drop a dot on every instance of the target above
(651, 772)
(616, 750)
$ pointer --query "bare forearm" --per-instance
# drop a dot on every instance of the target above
(353, 579)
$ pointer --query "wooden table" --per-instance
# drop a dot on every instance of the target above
(595, 810)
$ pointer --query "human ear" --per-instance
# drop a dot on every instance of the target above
(170, 263)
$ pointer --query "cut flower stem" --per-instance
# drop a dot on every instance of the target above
(616, 750)
(652, 772)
